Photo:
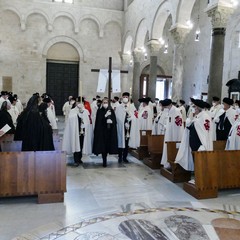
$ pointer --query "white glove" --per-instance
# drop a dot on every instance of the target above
(109, 121)
(108, 113)
(127, 126)
(201, 148)
(188, 122)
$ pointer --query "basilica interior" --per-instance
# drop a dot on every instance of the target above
(174, 49)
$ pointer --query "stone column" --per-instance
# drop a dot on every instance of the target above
(126, 79)
(154, 47)
(179, 35)
(219, 17)
(137, 56)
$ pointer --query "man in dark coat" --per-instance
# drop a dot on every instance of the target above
(105, 132)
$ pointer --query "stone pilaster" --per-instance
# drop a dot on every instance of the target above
(154, 47)
(219, 17)
(179, 35)
(137, 57)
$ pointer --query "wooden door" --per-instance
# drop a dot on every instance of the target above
(62, 81)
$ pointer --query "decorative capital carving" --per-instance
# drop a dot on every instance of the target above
(154, 47)
(219, 15)
(137, 55)
(179, 34)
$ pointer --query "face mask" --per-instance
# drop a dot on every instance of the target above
(193, 110)
(72, 102)
(166, 109)
(80, 106)
(105, 105)
(214, 104)
(125, 100)
(154, 104)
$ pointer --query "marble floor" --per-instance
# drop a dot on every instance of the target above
(127, 201)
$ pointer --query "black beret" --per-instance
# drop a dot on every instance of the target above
(12, 99)
(199, 103)
(207, 105)
(78, 99)
(47, 99)
(145, 100)
(182, 101)
(216, 99)
(228, 101)
(166, 102)
(126, 94)
(4, 93)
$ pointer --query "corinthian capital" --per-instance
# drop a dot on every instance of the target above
(219, 15)
(154, 47)
(179, 34)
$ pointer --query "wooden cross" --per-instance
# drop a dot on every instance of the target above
(109, 78)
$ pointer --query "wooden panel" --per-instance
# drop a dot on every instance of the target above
(17, 173)
(144, 137)
(11, 146)
(155, 143)
(219, 145)
(172, 151)
(50, 172)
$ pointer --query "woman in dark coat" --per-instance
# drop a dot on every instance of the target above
(5, 117)
(105, 132)
(30, 127)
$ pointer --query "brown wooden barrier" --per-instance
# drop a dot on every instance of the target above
(214, 170)
(16, 146)
(142, 151)
(155, 149)
(33, 173)
(175, 173)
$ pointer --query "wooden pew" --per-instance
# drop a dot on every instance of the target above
(214, 170)
(33, 173)
(142, 151)
(16, 146)
(176, 173)
(155, 149)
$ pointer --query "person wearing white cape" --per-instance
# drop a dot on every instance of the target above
(145, 114)
(174, 128)
(127, 127)
(233, 141)
(160, 122)
(77, 137)
(197, 136)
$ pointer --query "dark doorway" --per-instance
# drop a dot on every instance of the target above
(62, 81)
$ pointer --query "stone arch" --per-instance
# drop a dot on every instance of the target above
(184, 11)
(40, 12)
(15, 11)
(112, 22)
(67, 15)
(140, 34)
(128, 43)
(146, 64)
(64, 39)
(160, 18)
(94, 19)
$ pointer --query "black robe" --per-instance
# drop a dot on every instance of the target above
(223, 127)
(105, 135)
(5, 118)
(34, 131)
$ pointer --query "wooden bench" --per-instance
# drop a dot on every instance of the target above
(142, 151)
(176, 173)
(16, 146)
(214, 170)
(155, 149)
(40, 173)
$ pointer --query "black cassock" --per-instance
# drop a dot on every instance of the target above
(223, 127)
(34, 131)
(5, 118)
(105, 135)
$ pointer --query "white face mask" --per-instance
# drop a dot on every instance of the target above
(193, 110)
(105, 105)
(125, 100)
(236, 107)
(214, 104)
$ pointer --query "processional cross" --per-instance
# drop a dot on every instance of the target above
(109, 79)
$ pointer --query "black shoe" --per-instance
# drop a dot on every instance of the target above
(119, 160)
(80, 162)
(125, 161)
(76, 164)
